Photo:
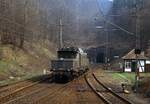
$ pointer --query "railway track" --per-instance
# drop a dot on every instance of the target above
(85, 95)
(14, 91)
(104, 92)
(74, 92)
(78, 91)
(12, 87)
(58, 96)
(39, 94)
(12, 84)
(53, 95)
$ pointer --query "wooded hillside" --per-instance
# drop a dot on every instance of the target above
(126, 8)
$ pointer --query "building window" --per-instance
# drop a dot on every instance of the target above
(141, 65)
(128, 65)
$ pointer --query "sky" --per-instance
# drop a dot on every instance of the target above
(111, 0)
(105, 5)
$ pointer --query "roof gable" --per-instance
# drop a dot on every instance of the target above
(131, 55)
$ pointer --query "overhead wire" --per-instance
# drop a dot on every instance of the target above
(103, 18)
(111, 23)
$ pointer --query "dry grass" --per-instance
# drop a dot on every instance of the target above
(22, 63)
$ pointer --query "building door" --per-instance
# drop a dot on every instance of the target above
(133, 67)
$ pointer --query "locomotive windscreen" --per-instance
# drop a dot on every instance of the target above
(67, 54)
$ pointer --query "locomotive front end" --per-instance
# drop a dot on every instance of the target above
(65, 64)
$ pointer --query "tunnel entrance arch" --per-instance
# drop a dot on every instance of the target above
(100, 58)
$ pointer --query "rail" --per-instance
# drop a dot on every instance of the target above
(13, 93)
(108, 91)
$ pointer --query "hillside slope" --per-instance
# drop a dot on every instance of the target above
(17, 64)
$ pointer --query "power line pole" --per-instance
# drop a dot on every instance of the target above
(138, 7)
(60, 34)
(106, 45)
(137, 10)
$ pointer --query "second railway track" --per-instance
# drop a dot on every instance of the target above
(104, 92)
(14, 91)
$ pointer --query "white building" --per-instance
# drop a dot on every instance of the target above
(130, 63)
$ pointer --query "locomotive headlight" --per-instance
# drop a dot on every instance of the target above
(61, 58)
